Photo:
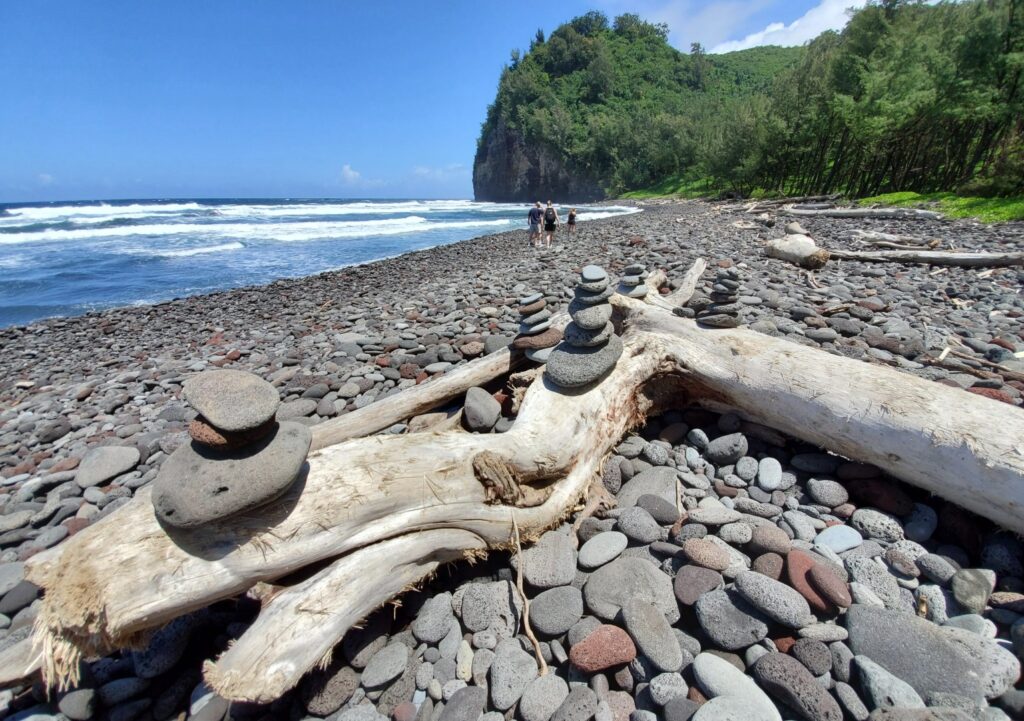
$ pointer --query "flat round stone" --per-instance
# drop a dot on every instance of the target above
(591, 273)
(534, 329)
(639, 291)
(590, 317)
(584, 338)
(631, 280)
(633, 269)
(572, 367)
(548, 339)
(584, 297)
(198, 485)
(533, 307)
(232, 400)
(532, 298)
(536, 318)
(597, 286)
(539, 355)
(602, 548)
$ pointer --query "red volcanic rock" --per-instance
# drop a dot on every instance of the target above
(202, 432)
(544, 339)
(784, 643)
(533, 307)
(408, 370)
(798, 569)
(606, 647)
(472, 349)
(881, 494)
(65, 464)
(994, 394)
(831, 587)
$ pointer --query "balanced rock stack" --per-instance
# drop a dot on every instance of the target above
(724, 310)
(240, 457)
(632, 282)
(590, 347)
(536, 335)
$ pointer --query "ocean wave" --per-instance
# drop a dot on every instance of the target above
(284, 232)
(53, 212)
(183, 252)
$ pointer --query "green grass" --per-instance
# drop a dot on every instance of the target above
(672, 187)
(988, 210)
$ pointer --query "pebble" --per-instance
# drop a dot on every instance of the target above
(692, 582)
(769, 539)
(971, 588)
(652, 634)
(231, 400)
(605, 647)
(103, 463)
(875, 524)
(704, 552)
(511, 671)
(639, 525)
(729, 621)
(551, 561)
(542, 698)
(727, 449)
(718, 678)
(434, 619)
(839, 539)
(579, 705)
(786, 679)
(611, 586)
(601, 549)
(556, 610)
(480, 411)
(774, 599)
(882, 689)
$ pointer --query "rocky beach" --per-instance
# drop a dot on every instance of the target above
(791, 583)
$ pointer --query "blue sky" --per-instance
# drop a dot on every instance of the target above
(290, 98)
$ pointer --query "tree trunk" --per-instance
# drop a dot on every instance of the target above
(932, 257)
(372, 516)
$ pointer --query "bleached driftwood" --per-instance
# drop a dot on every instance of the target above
(376, 514)
(932, 257)
(882, 213)
(799, 250)
(873, 237)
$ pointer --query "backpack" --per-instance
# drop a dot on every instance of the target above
(549, 215)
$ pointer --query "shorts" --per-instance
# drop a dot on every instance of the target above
(534, 228)
(549, 227)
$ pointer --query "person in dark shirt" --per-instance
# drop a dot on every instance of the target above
(572, 221)
(550, 222)
(534, 217)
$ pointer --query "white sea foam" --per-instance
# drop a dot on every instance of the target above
(187, 252)
(59, 212)
(285, 232)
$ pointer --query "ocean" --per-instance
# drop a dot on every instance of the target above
(64, 259)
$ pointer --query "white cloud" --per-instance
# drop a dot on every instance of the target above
(352, 178)
(45, 179)
(349, 175)
(692, 21)
(827, 15)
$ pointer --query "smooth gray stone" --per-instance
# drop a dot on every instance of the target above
(197, 484)
(727, 449)
(542, 698)
(652, 634)
(538, 317)
(584, 297)
(774, 599)
(732, 708)
(11, 574)
(718, 678)
(466, 704)
(530, 299)
(571, 367)
(386, 665)
(492, 606)
(610, 587)
(639, 525)
(875, 524)
(583, 338)
(786, 679)
(104, 463)
(593, 273)
(579, 705)
(881, 688)
(556, 610)
(590, 317)
(480, 411)
(601, 549)
(535, 329)
(658, 481)
(231, 400)
(915, 650)
(537, 355)
(729, 621)
(165, 648)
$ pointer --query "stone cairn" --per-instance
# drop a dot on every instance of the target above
(536, 335)
(724, 309)
(631, 284)
(240, 457)
(590, 347)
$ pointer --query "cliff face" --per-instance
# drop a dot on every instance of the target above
(507, 169)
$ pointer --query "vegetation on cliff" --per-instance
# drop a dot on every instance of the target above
(909, 96)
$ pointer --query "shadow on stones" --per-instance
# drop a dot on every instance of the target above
(214, 541)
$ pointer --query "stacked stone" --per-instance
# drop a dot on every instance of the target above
(590, 347)
(536, 335)
(724, 309)
(631, 284)
(240, 457)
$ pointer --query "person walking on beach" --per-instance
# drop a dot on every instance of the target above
(550, 222)
(572, 221)
(534, 217)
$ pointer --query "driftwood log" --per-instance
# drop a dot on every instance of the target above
(932, 257)
(374, 515)
(880, 213)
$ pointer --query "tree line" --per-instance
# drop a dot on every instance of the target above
(909, 96)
